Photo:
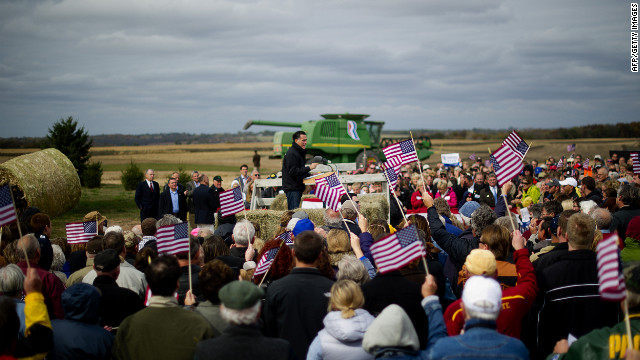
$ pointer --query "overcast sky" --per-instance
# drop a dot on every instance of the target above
(205, 66)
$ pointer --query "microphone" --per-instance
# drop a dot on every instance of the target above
(319, 159)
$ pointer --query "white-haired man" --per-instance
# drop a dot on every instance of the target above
(243, 235)
(242, 339)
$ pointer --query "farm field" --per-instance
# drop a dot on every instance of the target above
(225, 159)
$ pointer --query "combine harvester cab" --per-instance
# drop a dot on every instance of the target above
(340, 138)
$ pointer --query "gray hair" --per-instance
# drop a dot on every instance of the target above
(58, 258)
(331, 218)
(628, 194)
(602, 218)
(195, 172)
(246, 316)
(243, 232)
(146, 172)
(587, 206)
(205, 232)
(481, 218)
(536, 210)
(30, 245)
(351, 268)
(348, 213)
(114, 228)
(506, 222)
(11, 280)
(167, 219)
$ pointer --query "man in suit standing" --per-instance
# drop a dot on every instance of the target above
(190, 186)
(206, 201)
(173, 201)
(147, 196)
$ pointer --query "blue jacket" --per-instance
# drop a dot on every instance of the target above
(78, 336)
(480, 340)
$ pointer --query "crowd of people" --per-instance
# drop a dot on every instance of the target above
(510, 272)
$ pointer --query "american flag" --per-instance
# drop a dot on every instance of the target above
(560, 163)
(173, 239)
(636, 162)
(81, 232)
(330, 190)
(265, 261)
(472, 156)
(586, 164)
(515, 142)
(507, 164)
(398, 249)
(231, 202)
(392, 177)
(610, 275)
(404, 151)
(287, 236)
(7, 211)
(571, 147)
(395, 163)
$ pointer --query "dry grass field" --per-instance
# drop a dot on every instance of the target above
(225, 160)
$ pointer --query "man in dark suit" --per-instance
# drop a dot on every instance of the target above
(173, 201)
(148, 196)
(205, 201)
(190, 186)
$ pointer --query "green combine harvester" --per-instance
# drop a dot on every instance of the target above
(341, 138)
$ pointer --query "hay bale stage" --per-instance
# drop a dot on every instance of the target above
(372, 206)
(45, 179)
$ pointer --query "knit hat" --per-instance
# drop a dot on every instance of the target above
(302, 225)
(481, 262)
(468, 208)
(482, 295)
(633, 229)
(240, 295)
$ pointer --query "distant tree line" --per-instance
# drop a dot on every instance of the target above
(619, 130)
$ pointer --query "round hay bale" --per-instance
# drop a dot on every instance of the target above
(280, 202)
(45, 179)
(374, 206)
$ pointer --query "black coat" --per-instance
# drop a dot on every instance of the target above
(205, 201)
(457, 247)
(244, 342)
(393, 288)
(295, 307)
(293, 169)
(621, 218)
(117, 303)
(183, 283)
(166, 205)
(570, 303)
(146, 200)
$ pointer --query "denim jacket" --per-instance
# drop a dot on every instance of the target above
(480, 340)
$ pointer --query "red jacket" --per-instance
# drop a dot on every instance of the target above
(516, 301)
(52, 289)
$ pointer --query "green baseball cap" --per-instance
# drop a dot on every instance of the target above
(240, 295)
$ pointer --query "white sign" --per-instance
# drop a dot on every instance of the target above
(451, 159)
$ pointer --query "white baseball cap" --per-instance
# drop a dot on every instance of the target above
(482, 295)
(569, 181)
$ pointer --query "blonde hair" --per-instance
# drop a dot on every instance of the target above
(338, 241)
(346, 297)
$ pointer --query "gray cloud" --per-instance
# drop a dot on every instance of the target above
(208, 66)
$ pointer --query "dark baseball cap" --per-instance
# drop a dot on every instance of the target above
(107, 260)
(217, 178)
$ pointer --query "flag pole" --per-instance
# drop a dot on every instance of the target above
(488, 148)
(26, 257)
(190, 283)
(269, 268)
(627, 322)
(97, 224)
(419, 164)
(508, 212)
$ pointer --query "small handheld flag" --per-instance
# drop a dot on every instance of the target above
(80, 232)
(398, 249)
(7, 211)
(173, 239)
(231, 202)
(404, 151)
(329, 189)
